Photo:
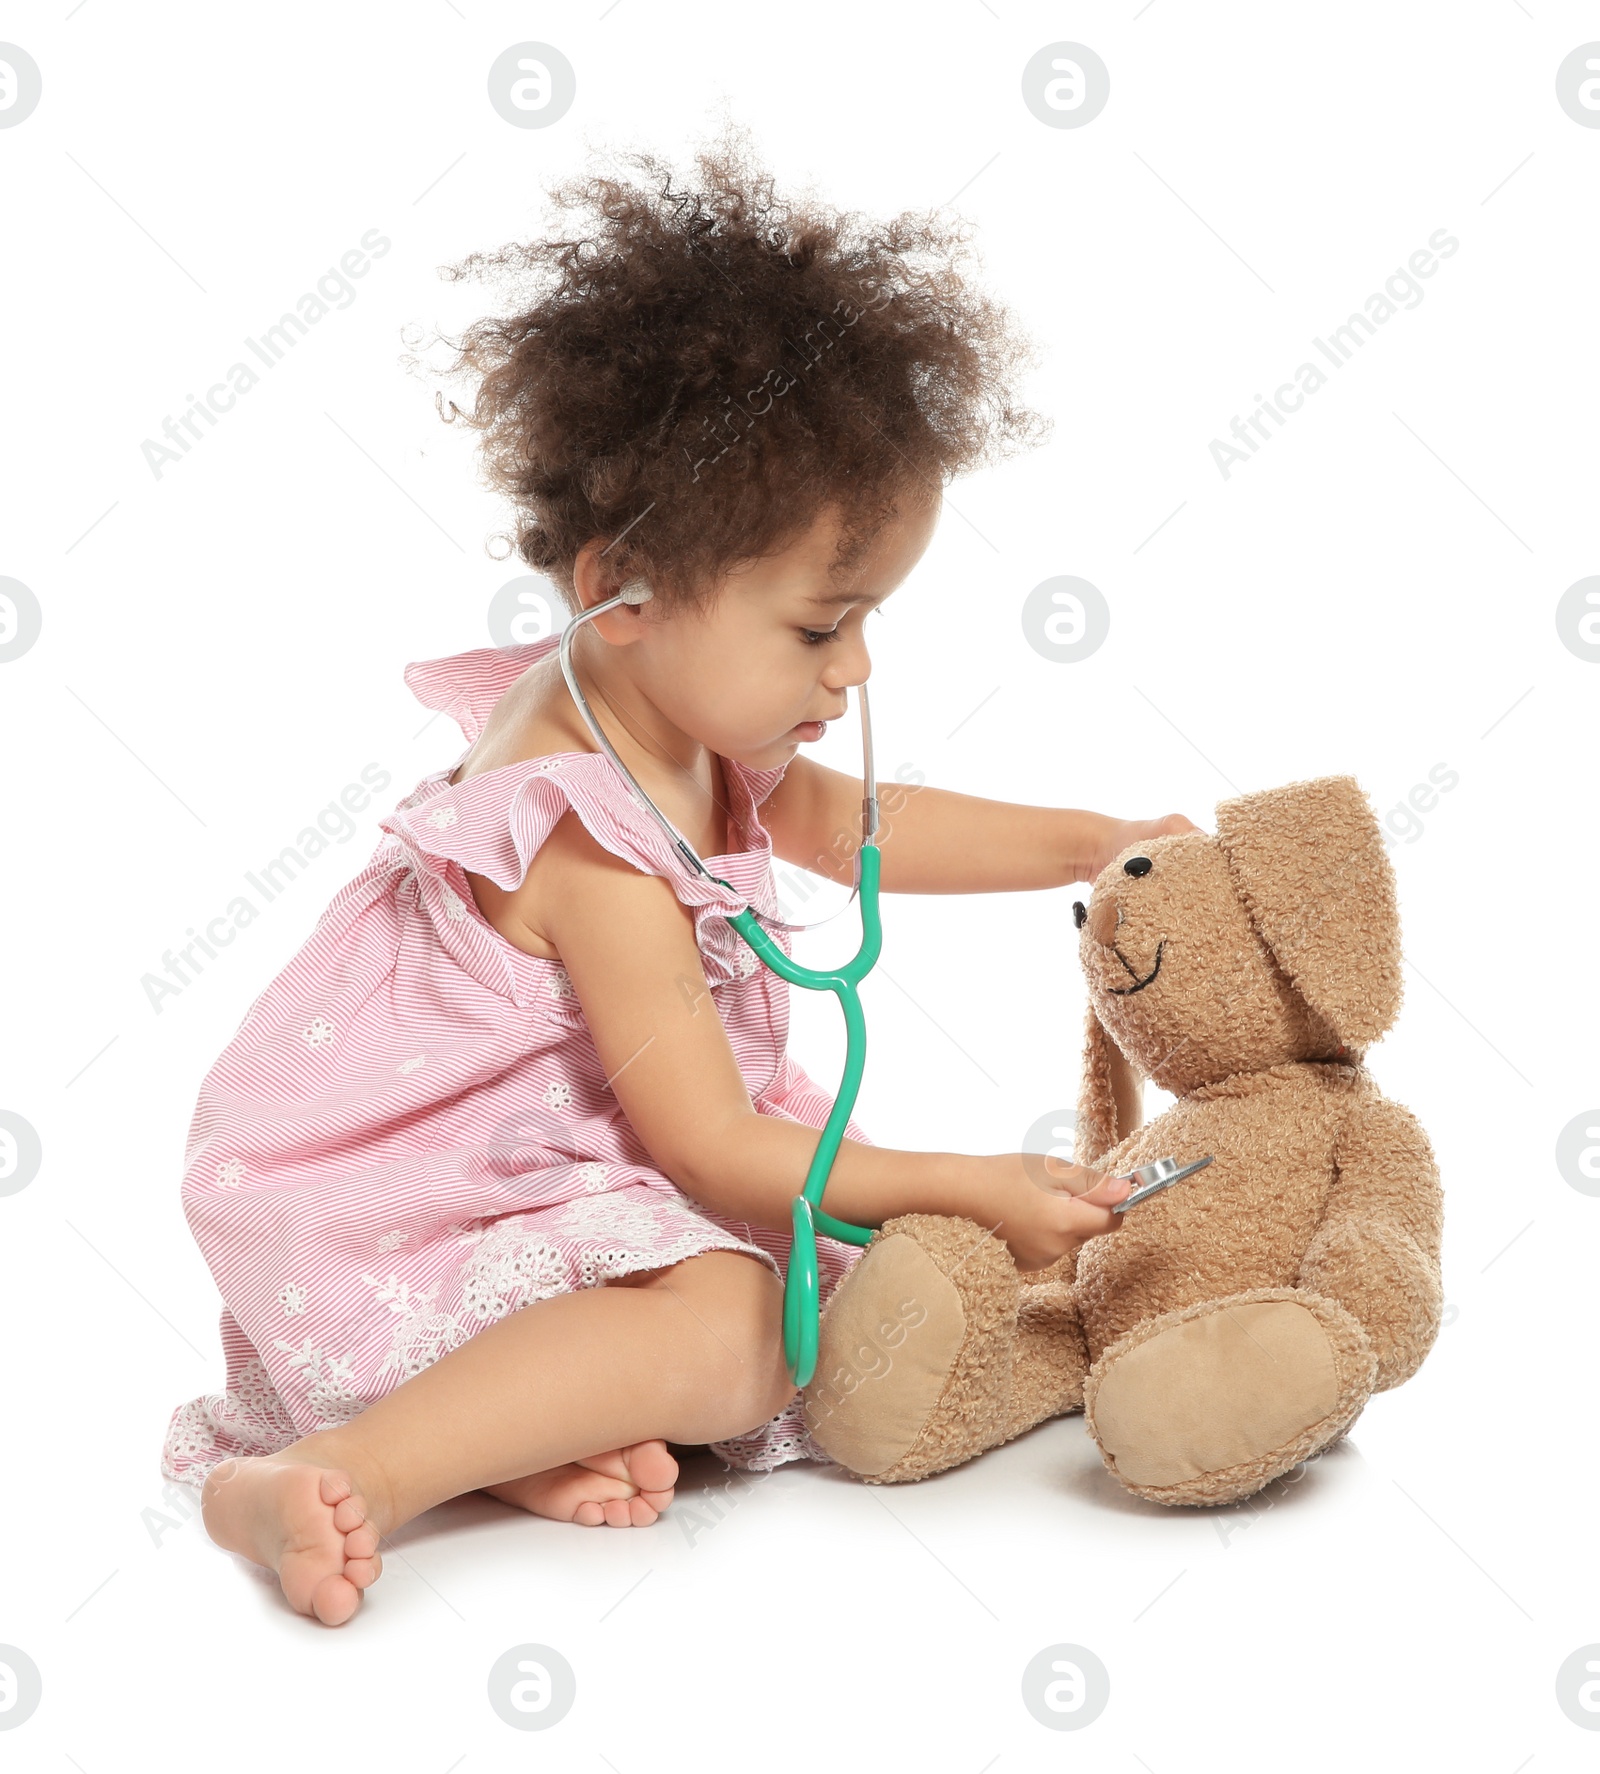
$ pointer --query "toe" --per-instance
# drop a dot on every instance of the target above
(349, 1514)
(618, 1514)
(334, 1485)
(334, 1600)
(589, 1515)
(650, 1466)
(361, 1542)
(610, 1465)
(363, 1572)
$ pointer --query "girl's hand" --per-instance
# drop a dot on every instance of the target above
(1041, 1221)
(1118, 834)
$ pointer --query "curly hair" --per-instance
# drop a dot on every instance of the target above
(695, 375)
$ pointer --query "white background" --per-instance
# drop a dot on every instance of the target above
(1374, 592)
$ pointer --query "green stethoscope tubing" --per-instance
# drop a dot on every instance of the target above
(801, 1312)
(801, 1306)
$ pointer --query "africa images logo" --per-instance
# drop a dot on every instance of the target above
(275, 343)
(1400, 290)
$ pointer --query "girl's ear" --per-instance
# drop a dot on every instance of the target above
(1110, 1096)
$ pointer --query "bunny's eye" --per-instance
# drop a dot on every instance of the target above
(1137, 865)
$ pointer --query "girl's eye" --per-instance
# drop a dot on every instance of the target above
(815, 636)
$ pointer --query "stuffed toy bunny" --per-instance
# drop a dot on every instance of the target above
(1234, 1324)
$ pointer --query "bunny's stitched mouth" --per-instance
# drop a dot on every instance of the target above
(1140, 984)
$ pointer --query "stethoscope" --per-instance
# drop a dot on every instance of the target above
(800, 1293)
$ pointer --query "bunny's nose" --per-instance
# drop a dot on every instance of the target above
(1103, 918)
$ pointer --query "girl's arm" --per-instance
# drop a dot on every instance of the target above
(628, 946)
(936, 841)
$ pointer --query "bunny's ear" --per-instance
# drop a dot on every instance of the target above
(1309, 863)
(1109, 1098)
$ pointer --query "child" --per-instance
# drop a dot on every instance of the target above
(495, 1177)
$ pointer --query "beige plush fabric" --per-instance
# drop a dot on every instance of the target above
(933, 1339)
(1237, 1323)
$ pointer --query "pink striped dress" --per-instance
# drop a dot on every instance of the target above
(411, 1135)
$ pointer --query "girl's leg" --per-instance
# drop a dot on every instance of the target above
(623, 1487)
(693, 1357)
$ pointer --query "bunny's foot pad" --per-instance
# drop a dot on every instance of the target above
(921, 1360)
(1209, 1403)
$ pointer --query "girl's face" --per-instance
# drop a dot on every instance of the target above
(757, 675)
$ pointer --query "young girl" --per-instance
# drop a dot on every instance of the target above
(495, 1177)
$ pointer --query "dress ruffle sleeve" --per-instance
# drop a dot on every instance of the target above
(493, 822)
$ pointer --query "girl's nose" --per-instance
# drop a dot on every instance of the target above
(848, 666)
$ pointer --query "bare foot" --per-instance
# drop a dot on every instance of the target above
(627, 1488)
(308, 1523)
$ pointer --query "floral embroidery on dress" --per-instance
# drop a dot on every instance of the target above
(629, 1222)
(441, 817)
(318, 1032)
(607, 1216)
(559, 984)
(229, 1174)
(247, 1420)
(390, 1240)
(785, 1438)
(292, 1297)
(592, 1176)
(330, 1394)
(407, 1066)
(420, 1338)
(557, 1094)
(511, 1267)
(396, 1294)
(598, 1266)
